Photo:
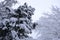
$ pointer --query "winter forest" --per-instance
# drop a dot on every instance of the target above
(16, 24)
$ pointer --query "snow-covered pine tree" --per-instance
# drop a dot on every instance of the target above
(15, 23)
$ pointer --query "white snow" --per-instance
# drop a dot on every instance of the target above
(35, 34)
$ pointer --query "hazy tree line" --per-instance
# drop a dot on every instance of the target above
(49, 25)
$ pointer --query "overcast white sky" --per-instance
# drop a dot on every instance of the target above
(40, 6)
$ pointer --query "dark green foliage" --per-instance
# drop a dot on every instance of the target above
(15, 23)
